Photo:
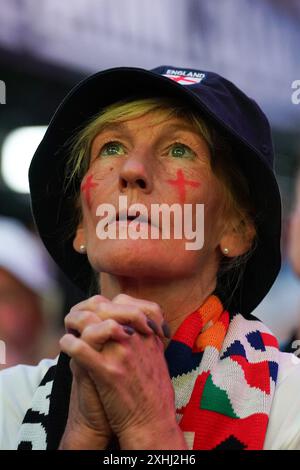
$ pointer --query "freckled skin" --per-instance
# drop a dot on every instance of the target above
(144, 155)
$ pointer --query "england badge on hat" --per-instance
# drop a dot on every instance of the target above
(184, 77)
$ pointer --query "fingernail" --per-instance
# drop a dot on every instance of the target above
(128, 329)
(71, 331)
(153, 326)
(166, 329)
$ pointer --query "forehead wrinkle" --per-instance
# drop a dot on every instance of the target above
(117, 127)
(177, 128)
(165, 129)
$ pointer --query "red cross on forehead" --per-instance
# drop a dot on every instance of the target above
(181, 182)
(86, 188)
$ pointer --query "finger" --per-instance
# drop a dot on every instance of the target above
(82, 352)
(79, 351)
(91, 303)
(97, 335)
(132, 315)
(76, 321)
(152, 309)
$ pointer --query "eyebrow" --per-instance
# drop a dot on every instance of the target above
(169, 128)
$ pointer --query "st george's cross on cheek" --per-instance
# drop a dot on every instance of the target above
(86, 187)
(181, 182)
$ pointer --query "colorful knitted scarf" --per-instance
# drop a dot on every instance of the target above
(223, 369)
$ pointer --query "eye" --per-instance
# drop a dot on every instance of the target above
(179, 150)
(112, 148)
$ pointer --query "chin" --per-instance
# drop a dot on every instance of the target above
(143, 259)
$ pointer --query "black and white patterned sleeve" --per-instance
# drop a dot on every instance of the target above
(18, 386)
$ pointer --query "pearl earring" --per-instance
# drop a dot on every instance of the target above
(82, 249)
(225, 251)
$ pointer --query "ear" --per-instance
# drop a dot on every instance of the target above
(238, 239)
(79, 238)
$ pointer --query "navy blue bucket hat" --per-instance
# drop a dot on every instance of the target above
(226, 108)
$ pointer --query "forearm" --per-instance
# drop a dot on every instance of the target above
(154, 438)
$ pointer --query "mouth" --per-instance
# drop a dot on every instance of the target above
(124, 217)
(139, 217)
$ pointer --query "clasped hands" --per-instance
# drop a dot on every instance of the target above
(121, 384)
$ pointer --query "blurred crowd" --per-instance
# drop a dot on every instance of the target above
(34, 296)
(280, 309)
(29, 296)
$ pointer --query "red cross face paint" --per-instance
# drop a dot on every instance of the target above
(180, 182)
(86, 188)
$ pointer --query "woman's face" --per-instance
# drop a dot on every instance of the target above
(150, 163)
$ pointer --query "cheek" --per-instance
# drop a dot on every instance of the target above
(87, 188)
(95, 183)
(213, 209)
(97, 188)
(183, 185)
(201, 188)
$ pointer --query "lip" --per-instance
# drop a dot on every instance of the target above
(125, 217)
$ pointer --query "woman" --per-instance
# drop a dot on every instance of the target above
(165, 353)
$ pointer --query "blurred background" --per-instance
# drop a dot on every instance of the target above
(47, 46)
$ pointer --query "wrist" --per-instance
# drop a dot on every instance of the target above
(82, 438)
(154, 437)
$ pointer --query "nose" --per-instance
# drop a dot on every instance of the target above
(135, 175)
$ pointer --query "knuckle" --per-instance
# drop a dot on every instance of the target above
(139, 314)
(88, 333)
(101, 307)
(78, 348)
(157, 308)
(96, 298)
(121, 297)
(86, 316)
(112, 325)
(72, 318)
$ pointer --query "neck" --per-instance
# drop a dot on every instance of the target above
(190, 293)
